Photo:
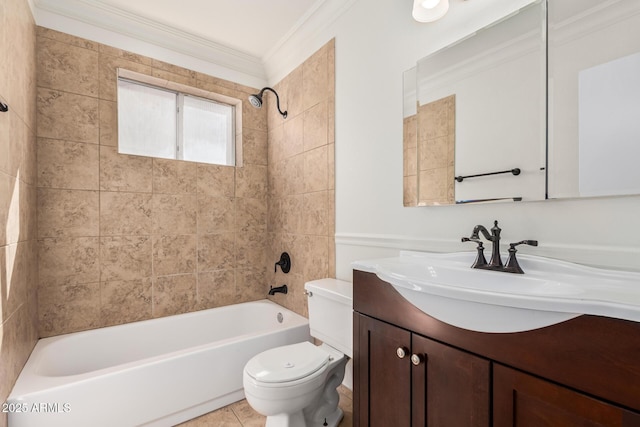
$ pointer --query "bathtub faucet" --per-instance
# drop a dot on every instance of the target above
(280, 289)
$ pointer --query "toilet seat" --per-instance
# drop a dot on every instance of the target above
(287, 364)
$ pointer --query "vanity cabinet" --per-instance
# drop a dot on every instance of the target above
(386, 379)
(582, 372)
(413, 380)
(523, 400)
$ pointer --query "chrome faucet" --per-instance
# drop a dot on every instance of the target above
(496, 260)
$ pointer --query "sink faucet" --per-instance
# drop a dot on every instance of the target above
(496, 260)
(494, 238)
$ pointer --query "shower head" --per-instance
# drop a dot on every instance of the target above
(256, 100)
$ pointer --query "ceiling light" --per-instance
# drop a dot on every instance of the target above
(429, 10)
(430, 4)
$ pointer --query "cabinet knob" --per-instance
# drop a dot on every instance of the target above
(417, 359)
(401, 352)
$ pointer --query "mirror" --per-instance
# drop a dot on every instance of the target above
(487, 104)
(476, 116)
(594, 98)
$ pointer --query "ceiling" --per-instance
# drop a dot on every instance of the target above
(254, 27)
(238, 34)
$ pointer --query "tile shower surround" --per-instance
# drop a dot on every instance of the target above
(18, 244)
(301, 187)
(124, 238)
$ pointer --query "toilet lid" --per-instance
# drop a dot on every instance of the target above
(287, 363)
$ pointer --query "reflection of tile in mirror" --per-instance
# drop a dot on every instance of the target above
(410, 156)
(436, 151)
(410, 194)
(433, 186)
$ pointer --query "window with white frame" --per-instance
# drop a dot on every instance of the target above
(158, 122)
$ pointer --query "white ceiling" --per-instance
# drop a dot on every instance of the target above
(239, 35)
(254, 27)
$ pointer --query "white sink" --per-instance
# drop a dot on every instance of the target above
(551, 291)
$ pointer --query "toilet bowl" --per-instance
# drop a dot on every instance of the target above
(295, 385)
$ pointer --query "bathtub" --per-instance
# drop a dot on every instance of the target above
(156, 372)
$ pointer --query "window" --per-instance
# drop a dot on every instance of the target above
(159, 122)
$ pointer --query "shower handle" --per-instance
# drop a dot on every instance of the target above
(284, 263)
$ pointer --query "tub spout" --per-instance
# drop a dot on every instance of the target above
(280, 289)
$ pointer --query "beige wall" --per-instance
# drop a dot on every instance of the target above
(410, 160)
(301, 176)
(428, 141)
(18, 250)
(124, 238)
(436, 152)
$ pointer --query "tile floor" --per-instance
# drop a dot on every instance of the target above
(240, 414)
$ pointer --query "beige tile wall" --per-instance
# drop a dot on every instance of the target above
(429, 154)
(124, 238)
(301, 176)
(410, 160)
(436, 152)
(18, 248)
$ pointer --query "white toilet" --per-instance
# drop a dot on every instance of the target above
(295, 385)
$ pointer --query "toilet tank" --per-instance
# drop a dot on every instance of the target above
(331, 313)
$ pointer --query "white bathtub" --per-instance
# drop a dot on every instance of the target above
(156, 372)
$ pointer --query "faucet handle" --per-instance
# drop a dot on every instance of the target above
(480, 261)
(284, 263)
(512, 265)
(524, 242)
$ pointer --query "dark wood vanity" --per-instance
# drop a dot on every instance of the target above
(413, 370)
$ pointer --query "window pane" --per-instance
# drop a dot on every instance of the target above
(146, 120)
(208, 131)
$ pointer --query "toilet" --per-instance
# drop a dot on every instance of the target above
(295, 385)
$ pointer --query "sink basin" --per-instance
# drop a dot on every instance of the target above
(551, 291)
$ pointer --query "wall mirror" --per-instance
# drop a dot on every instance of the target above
(477, 116)
(488, 104)
(594, 98)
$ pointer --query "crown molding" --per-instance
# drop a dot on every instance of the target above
(98, 14)
(306, 37)
(32, 7)
(297, 27)
(289, 52)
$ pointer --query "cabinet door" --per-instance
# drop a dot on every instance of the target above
(383, 378)
(521, 400)
(450, 387)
